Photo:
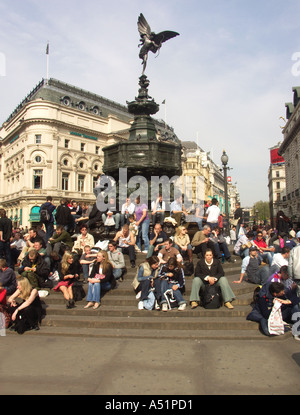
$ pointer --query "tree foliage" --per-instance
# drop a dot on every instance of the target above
(261, 210)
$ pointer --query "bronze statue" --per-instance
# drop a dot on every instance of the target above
(151, 41)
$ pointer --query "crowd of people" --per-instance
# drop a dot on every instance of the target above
(61, 254)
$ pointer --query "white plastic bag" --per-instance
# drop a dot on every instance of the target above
(275, 321)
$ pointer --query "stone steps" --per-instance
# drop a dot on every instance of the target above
(118, 315)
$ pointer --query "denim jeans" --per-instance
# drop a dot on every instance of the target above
(6, 253)
(143, 234)
(49, 230)
(94, 290)
(166, 285)
(221, 247)
(86, 270)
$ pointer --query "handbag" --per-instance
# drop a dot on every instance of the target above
(234, 222)
(275, 321)
(135, 283)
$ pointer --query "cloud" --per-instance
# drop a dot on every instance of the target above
(225, 79)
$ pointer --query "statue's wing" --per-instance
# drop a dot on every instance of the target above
(164, 36)
(143, 26)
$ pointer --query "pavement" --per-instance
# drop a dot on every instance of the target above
(42, 365)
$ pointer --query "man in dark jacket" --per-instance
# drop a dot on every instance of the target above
(63, 215)
(5, 235)
(49, 225)
(263, 307)
(60, 237)
(36, 270)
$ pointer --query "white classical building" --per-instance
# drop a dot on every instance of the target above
(52, 145)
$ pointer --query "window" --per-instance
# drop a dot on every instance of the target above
(81, 183)
(38, 139)
(65, 181)
(97, 150)
(277, 185)
(95, 181)
(38, 159)
(82, 146)
(67, 143)
(37, 179)
(277, 173)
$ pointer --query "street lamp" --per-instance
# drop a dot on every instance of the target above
(224, 160)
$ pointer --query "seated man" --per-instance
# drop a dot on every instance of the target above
(263, 307)
(29, 239)
(86, 210)
(36, 270)
(127, 209)
(16, 247)
(7, 278)
(58, 239)
(87, 258)
(158, 208)
(38, 246)
(220, 245)
(156, 240)
(76, 212)
(126, 242)
(243, 244)
(201, 241)
(264, 251)
(111, 213)
(169, 252)
(94, 216)
(82, 240)
(280, 259)
(116, 259)
(177, 210)
(251, 268)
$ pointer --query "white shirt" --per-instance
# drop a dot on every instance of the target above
(129, 208)
(279, 260)
(213, 213)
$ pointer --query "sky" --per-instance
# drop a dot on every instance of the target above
(225, 79)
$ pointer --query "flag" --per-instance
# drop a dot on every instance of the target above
(164, 101)
(47, 49)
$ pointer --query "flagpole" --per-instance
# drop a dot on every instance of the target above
(164, 102)
(47, 53)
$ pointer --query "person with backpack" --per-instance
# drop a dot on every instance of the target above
(172, 280)
(209, 272)
(46, 216)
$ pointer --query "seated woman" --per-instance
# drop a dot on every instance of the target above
(27, 314)
(172, 278)
(182, 242)
(68, 271)
(147, 277)
(209, 270)
(100, 279)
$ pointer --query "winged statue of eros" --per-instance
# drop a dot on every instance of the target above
(151, 41)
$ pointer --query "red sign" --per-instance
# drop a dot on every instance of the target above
(229, 179)
(275, 158)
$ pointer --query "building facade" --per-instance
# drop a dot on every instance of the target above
(52, 145)
(290, 150)
(276, 183)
